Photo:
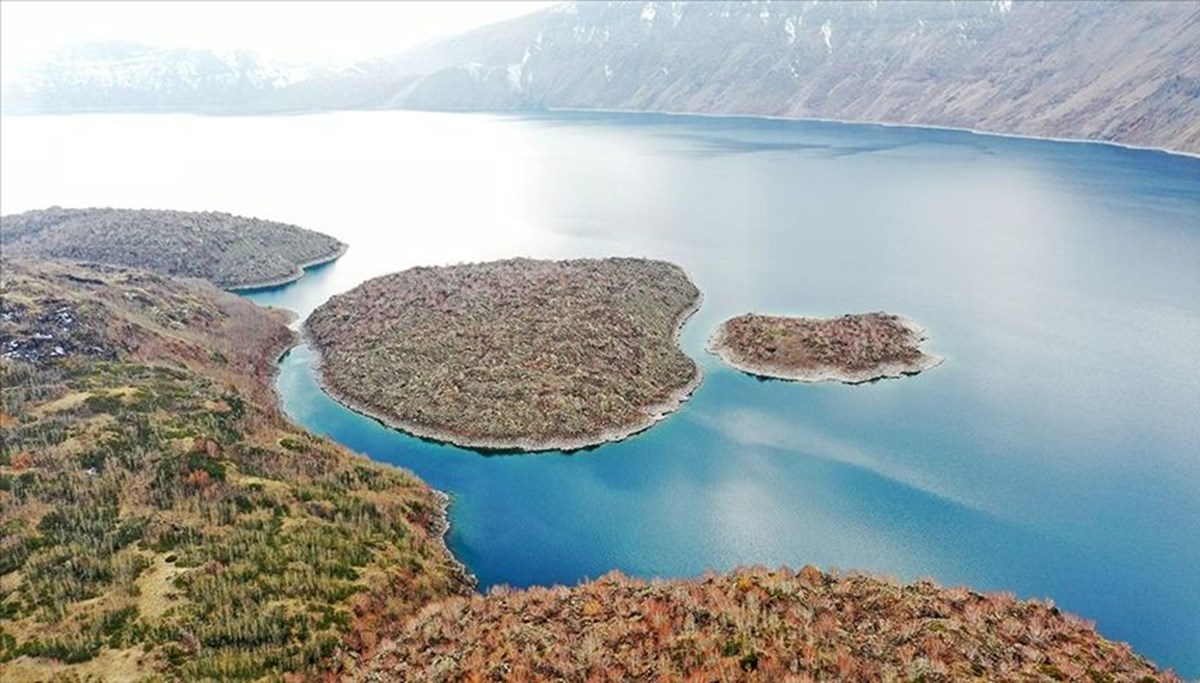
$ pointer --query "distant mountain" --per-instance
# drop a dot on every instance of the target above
(1117, 71)
(126, 76)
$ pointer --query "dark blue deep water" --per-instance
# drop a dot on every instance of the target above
(1056, 453)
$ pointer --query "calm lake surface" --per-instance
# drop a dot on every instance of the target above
(1055, 454)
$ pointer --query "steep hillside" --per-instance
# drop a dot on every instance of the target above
(231, 251)
(159, 515)
(1123, 72)
(1116, 71)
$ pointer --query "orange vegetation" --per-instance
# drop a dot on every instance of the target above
(753, 624)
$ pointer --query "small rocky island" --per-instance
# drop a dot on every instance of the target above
(851, 348)
(520, 354)
(230, 251)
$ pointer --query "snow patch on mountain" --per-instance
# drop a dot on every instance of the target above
(649, 11)
(676, 13)
(516, 73)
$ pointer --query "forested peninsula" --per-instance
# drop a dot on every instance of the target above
(230, 251)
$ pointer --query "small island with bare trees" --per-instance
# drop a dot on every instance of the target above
(520, 355)
(851, 349)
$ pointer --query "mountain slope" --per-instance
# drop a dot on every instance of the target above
(1123, 72)
(119, 75)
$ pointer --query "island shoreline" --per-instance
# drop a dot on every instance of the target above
(848, 122)
(440, 525)
(301, 269)
(716, 345)
(653, 413)
(316, 111)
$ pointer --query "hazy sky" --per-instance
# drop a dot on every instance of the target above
(275, 29)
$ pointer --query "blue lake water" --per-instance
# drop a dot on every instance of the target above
(1055, 454)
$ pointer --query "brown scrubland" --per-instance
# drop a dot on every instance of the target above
(518, 354)
(850, 348)
(163, 521)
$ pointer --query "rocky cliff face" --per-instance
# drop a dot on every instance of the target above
(1122, 72)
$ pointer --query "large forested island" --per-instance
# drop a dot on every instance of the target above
(234, 252)
(160, 519)
(850, 348)
(519, 354)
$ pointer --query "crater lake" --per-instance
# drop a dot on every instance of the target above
(1055, 454)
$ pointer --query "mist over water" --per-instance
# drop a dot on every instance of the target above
(1055, 454)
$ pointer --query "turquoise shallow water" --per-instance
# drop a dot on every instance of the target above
(1055, 454)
